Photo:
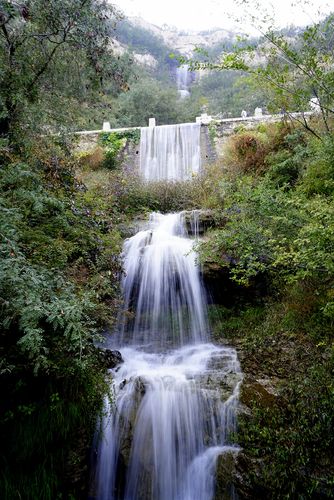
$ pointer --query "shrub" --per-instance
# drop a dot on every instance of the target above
(52, 382)
(114, 144)
(319, 175)
(246, 152)
(283, 168)
(92, 159)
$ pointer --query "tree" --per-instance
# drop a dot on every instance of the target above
(292, 70)
(148, 98)
(51, 46)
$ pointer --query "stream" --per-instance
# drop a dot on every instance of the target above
(175, 397)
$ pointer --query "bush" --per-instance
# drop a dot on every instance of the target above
(92, 159)
(58, 281)
(292, 440)
(319, 174)
(114, 143)
(246, 152)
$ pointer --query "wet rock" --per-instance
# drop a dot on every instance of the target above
(245, 467)
(226, 472)
(126, 443)
(140, 387)
(129, 229)
(222, 290)
(199, 221)
(261, 391)
(110, 358)
(137, 389)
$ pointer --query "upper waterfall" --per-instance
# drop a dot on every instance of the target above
(183, 77)
(162, 284)
(170, 152)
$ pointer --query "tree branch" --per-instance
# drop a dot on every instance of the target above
(49, 58)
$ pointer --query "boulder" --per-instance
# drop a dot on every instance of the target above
(261, 391)
(110, 358)
(200, 221)
(225, 476)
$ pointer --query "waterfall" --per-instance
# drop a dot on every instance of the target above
(183, 80)
(175, 396)
(170, 152)
(162, 283)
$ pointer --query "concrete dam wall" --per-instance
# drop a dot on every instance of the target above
(174, 150)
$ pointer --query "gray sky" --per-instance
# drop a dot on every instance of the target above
(205, 14)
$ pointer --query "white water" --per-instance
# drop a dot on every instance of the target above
(170, 419)
(163, 284)
(170, 152)
(183, 80)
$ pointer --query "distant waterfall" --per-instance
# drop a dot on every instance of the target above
(176, 394)
(170, 152)
(183, 78)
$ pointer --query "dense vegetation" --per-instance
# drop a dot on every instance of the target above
(276, 197)
(59, 266)
(59, 275)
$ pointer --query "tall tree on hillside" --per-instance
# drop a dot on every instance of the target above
(50, 46)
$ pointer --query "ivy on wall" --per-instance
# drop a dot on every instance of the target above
(114, 143)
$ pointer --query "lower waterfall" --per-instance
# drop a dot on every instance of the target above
(170, 152)
(175, 396)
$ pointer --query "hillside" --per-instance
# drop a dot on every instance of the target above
(157, 75)
(185, 41)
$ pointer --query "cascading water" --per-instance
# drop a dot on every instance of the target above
(170, 152)
(175, 395)
(183, 80)
(161, 284)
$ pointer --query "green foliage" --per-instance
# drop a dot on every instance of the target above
(291, 71)
(292, 439)
(271, 227)
(286, 159)
(46, 433)
(272, 230)
(148, 98)
(319, 176)
(114, 143)
(130, 135)
(41, 238)
(59, 282)
(226, 94)
(278, 228)
(52, 52)
(212, 132)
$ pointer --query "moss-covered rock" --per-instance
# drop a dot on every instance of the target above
(226, 476)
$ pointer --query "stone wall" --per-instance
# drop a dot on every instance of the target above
(214, 134)
(87, 142)
(130, 157)
(217, 132)
(208, 149)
